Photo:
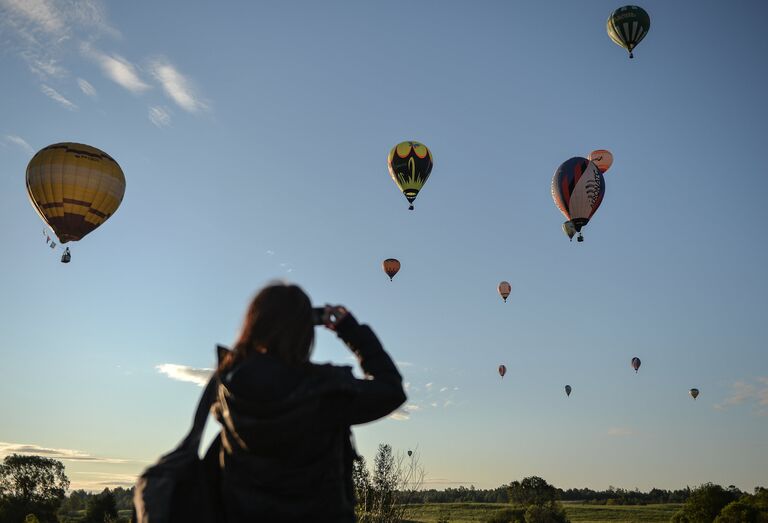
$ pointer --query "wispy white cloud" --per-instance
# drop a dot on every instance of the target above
(271, 252)
(404, 412)
(117, 69)
(86, 87)
(620, 431)
(61, 454)
(90, 14)
(159, 116)
(443, 389)
(42, 13)
(58, 18)
(428, 386)
(54, 95)
(185, 373)
(176, 86)
(40, 31)
(755, 393)
(44, 67)
(20, 142)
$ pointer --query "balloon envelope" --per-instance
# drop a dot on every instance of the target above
(502, 370)
(694, 393)
(504, 289)
(568, 390)
(602, 158)
(410, 164)
(578, 188)
(635, 363)
(390, 266)
(627, 26)
(74, 188)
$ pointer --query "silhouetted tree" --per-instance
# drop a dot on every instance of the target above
(361, 479)
(101, 508)
(704, 504)
(31, 485)
(393, 483)
(532, 491)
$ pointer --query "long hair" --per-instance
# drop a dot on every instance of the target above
(279, 319)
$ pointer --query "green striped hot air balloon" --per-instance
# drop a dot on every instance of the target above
(627, 26)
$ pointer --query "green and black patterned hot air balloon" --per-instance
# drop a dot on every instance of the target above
(627, 26)
(409, 165)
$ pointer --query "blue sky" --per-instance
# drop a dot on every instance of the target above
(254, 142)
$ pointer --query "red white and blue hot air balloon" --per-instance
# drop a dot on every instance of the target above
(578, 188)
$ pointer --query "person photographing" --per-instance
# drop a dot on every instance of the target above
(284, 451)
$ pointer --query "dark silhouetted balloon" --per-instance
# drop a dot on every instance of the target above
(694, 393)
(627, 26)
(391, 266)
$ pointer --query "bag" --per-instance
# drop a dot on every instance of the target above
(180, 487)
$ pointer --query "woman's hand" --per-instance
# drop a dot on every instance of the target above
(334, 315)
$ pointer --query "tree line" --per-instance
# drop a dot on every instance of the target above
(610, 496)
(33, 489)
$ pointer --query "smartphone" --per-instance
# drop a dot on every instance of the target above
(317, 315)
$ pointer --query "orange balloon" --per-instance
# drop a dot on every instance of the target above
(502, 370)
(602, 158)
(391, 266)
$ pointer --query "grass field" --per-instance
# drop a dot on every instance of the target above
(577, 512)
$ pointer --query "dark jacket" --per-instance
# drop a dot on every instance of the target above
(286, 454)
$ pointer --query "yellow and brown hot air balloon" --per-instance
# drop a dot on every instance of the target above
(409, 165)
(504, 289)
(74, 188)
(502, 370)
(602, 158)
(390, 266)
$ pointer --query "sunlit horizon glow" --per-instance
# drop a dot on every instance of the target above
(254, 144)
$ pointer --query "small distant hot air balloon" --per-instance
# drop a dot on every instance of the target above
(635, 363)
(627, 26)
(578, 188)
(74, 188)
(502, 370)
(409, 165)
(694, 393)
(567, 390)
(391, 266)
(569, 229)
(602, 158)
(410, 453)
(504, 289)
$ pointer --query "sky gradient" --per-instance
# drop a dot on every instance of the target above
(254, 142)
